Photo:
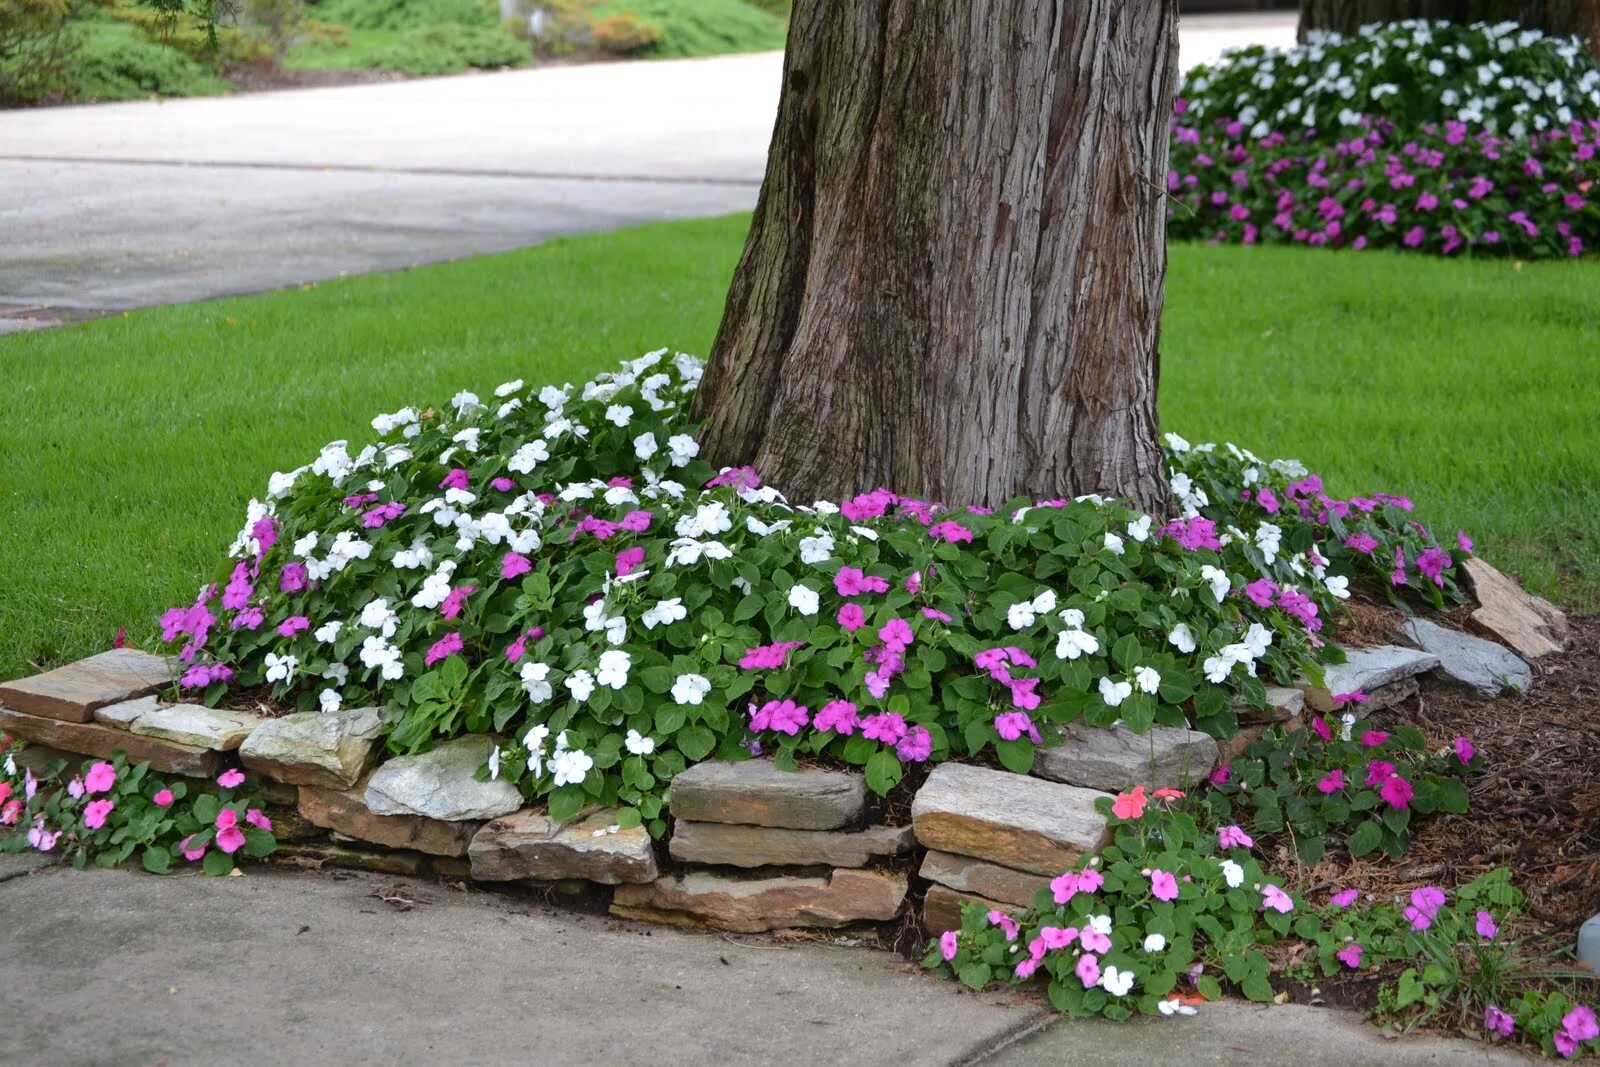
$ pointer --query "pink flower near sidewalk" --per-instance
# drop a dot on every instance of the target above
(1163, 886)
(190, 850)
(163, 798)
(948, 944)
(230, 838)
(95, 812)
(1350, 956)
(1498, 1022)
(101, 777)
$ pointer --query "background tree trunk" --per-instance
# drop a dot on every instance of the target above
(954, 279)
(1575, 18)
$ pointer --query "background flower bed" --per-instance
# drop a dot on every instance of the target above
(1435, 137)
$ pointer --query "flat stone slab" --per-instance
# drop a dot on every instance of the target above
(99, 740)
(769, 846)
(941, 909)
(1531, 625)
(967, 875)
(1485, 667)
(752, 906)
(755, 792)
(315, 748)
(1369, 669)
(1010, 819)
(439, 784)
(1283, 704)
(345, 811)
(319, 854)
(124, 713)
(1112, 758)
(73, 692)
(528, 844)
(223, 729)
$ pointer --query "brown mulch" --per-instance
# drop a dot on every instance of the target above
(1535, 806)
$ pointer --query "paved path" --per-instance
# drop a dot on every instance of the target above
(279, 967)
(125, 205)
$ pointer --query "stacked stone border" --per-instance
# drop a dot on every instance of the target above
(752, 848)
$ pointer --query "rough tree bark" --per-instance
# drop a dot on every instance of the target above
(953, 284)
(1576, 18)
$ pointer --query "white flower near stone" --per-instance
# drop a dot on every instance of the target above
(1338, 586)
(337, 673)
(638, 744)
(494, 763)
(1070, 644)
(378, 653)
(1182, 638)
(804, 599)
(665, 613)
(570, 767)
(330, 700)
(690, 689)
(1148, 679)
(1155, 943)
(536, 682)
(1257, 640)
(1233, 874)
(1114, 693)
(612, 671)
(533, 741)
(1176, 1007)
(1116, 982)
(580, 684)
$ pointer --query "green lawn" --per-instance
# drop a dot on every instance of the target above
(129, 446)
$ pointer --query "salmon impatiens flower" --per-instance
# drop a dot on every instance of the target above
(1130, 805)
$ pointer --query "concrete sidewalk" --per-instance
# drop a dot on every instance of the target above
(115, 206)
(280, 967)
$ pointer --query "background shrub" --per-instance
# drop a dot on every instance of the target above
(114, 63)
(450, 49)
(35, 49)
(624, 34)
(408, 14)
(702, 27)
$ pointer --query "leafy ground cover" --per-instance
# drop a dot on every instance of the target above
(1460, 383)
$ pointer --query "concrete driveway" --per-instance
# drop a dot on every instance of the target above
(116, 206)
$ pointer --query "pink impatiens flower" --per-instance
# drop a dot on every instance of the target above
(851, 617)
(294, 625)
(1163, 886)
(1464, 750)
(916, 746)
(190, 850)
(840, 716)
(1425, 904)
(1344, 898)
(1350, 956)
(95, 812)
(231, 778)
(1374, 738)
(784, 716)
(163, 798)
(1396, 792)
(442, 649)
(767, 657)
(1487, 928)
(101, 777)
(885, 727)
(1331, 782)
(1064, 887)
(1130, 805)
(514, 565)
(950, 531)
(948, 945)
(1276, 899)
(455, 601)
(230, 838)
(1233, 837)
(1007, 924)
(456, 479)
(1012, 725)
(850, 581)
(1088, 970)
(1498, 1022)
(629, 560)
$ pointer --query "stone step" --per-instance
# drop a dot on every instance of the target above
(346, 811)
(1010, 819)
(441, 784)
(941, 909)
(751, 906)
(768, 846)
(315, 748)
(1113, 758)
(528, 844)
(72, 693)
(1531, 625)
(757, 793)
(1371, 670)
(124, 713)
(98, 740)
(1283, 704)
(1473, 663)
(967, 875)
(223, 729)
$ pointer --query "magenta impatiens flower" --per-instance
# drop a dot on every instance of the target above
(1498, 1022)
(1425, 904)
(1344, 898)
(851, 617)
(1233, 837)
(455, 479)
(1163, 886)
(1464, 750)
(840, 716)
(230, 838)
(949, 944)
(163, 798)
(916, 746)
(294, 625)
(950, 531)
(1396, 792)
(767, 657)
(100, 778)
(629, 560)
(850, 581)
(1373, 738)
(95, 812)
(455, 600)
(190, 850)
(1088, 970)
(1350, 956)
(885, 727)
(258, 818)
(1331, 782)
(783, 716)
(514, 565)
(1487, 928)
(444, 648)
(292, 579)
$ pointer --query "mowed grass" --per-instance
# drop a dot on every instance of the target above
(129, 446)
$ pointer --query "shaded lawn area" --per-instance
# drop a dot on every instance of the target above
(129, 446)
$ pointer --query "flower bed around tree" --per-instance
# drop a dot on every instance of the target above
(1432, 137)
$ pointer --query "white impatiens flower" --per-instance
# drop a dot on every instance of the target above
(1100, 924)
(337, 673)
(1070, 644)
(1021, 616)
(378, 653)
(1182, 638)
(690, 688)
(328, 632)
(1233, 873)
(1268, 539)
(536, 682)
(330, 700)
(816, 549)
(505, 389)
(529, 456)
(377, 616)
(1338, 585)
(417, 557)
(1116, 982)
(638, 744)
(1073, 617)
(1114, 544)
(1155, 943)
(644, 446)
(1220, 583)
(1114, 693)
(1176, 1007)
(682, 448)
(280, 668)
(619, 414)
(533, 741)
(1257, 639)
(279, 484)
(665, 613)
(466, 402)
(595, 620)
(804, 599)
(581, 684)
(494, 763)
(1148, 679)
(570, 768)
(1139, 529)
(613, 669)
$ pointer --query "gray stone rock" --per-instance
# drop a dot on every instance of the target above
(124, 713)
(1483, 666)
(73, 692)
(345, 811)
(1369, 669)
(1589, 943)
(1283, 704)
(439, 784)
(1531, 625)
(990, 880)
(755, 792)
(768, 846)
(315, 748)
(220, 729)
(1010, 819)
(1113, 758)
(531, 845)
(702, 898)
(102, 741)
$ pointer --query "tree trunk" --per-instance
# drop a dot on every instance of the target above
(1567, 18)
(953, 284)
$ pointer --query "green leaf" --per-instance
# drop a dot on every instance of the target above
(695, 742)
(884, 772)
(566, 802)
(1017, 756)
(974, 975)
(156, 860)
(206, 807)
(1257, 989)
(217, 862)
(627, 818)
(259, 843)
(1209, 987)
(1367, 837)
